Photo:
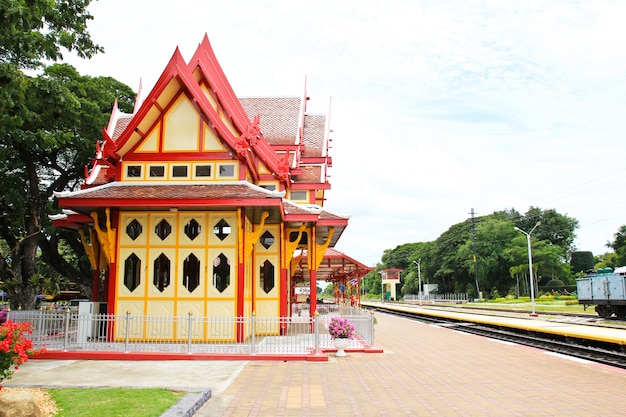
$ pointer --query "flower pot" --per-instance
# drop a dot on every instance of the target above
(340, 344)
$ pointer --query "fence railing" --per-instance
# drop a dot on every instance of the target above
(434, 298)
(66, 330)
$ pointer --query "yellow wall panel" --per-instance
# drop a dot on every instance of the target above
(231, 219)
(136, 327)
(260, 292)
(208, 95)
(197, 309)
(173, 87)
(140, 290)
(155, 219)
(275, 246)
(160, 308)
(184, 307)
(213, 261)
(199, 234)
(181, 127)
(212, 142)
(169, 289)
(158, 328)
(125, 220)
(267, 308)
(221, 309)
(151, 142)
(229, 125)
(183, 287)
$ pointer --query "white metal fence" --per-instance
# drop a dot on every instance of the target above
(66, 330)
(434, 298)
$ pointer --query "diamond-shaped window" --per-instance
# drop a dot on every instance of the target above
(163, 229)
(192, 229)
(162, 275)
(132, 272)
(134, 229)
(267, 239)
(191, 272)
(266, 275)
(222, 229)
(221, 272)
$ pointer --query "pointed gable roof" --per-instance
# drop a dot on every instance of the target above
(247, 141)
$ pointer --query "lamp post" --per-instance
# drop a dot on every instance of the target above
(419, 280)
(530, 268)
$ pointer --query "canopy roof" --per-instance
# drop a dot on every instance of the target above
(335, 267)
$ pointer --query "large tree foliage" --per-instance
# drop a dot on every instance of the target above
(48, 126)
(55, 120)
(581, 262)
(35, 30)
(501, 254)
(619, 246)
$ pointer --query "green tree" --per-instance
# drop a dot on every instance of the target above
(55, 120)
(33, 125)
(556, 228)
(581, 261)
(33, 31)
(451, 273)
(421, 254)
(606, 260)
(619, 246)
(493, 235)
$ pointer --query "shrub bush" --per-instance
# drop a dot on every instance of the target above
(15, 348)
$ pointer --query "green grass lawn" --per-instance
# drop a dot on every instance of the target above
(113, 402)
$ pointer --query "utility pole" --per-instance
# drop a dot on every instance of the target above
(419, 279)
(475, 260)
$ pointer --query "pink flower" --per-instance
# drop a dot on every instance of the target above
(340, 328)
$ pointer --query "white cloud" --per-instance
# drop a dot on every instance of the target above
(438, 107)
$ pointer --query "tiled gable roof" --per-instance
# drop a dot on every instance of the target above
(314, 133)
(279, 117)
(120, 126)
(167, 191)
(309, 174)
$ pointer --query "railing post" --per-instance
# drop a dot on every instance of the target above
(253, 338)
(372, 327)
(317, 332)
(126, 337)
(66, 331)
(39, 329)
(189, 332)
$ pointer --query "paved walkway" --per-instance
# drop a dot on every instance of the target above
(425, 371)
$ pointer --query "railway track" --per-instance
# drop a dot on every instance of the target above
(608, 354)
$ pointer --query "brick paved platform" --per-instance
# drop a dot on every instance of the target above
(425, 371)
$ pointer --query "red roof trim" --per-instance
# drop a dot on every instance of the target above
(173, 202)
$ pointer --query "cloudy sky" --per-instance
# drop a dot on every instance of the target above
(437, 107)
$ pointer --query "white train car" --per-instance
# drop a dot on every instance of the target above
(606, 290)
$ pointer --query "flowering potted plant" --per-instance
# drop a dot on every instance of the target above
(341, 331)
(340, 328)
(15, 348)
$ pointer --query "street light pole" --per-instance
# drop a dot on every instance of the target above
(530, 268)
(419, 280)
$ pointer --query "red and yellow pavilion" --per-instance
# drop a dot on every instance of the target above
(197, 202)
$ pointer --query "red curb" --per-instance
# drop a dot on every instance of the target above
(152, 356)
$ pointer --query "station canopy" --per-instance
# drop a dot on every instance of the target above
(335, 267)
